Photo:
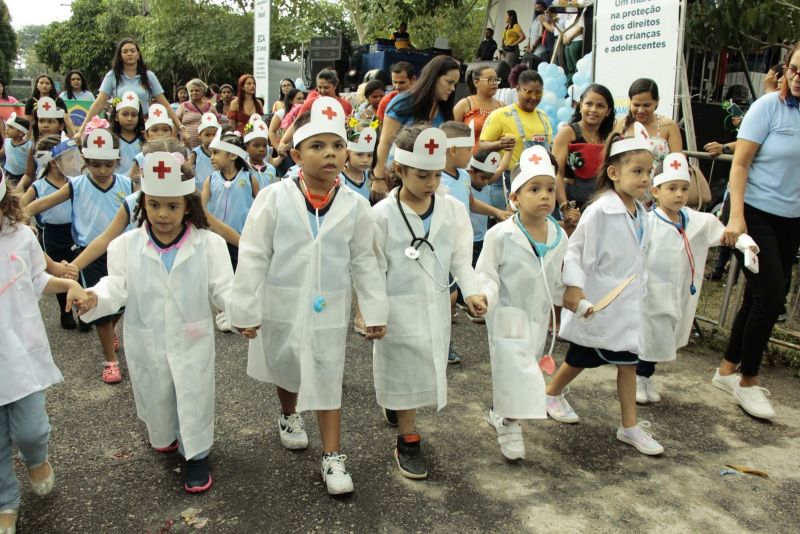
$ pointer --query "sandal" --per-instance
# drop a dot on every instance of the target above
(172, 447)
(13, 528)
(43, 487)
(112, 373)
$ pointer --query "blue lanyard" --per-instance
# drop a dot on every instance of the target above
(681, 228)
(540, 249)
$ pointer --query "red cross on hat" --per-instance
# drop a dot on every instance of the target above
(330, 113)
(675, 164)
(261, 126)
(157, 112)
(535, 159)
(99, 141)
(431, 146)
(368, 138)
(494, 161)
(161, 170)
(131, 96)
(46, 106)
(209, 117)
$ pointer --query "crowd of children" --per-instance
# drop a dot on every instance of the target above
(182, 240)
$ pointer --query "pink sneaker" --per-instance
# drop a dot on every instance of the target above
(112, 374)
(172, 447)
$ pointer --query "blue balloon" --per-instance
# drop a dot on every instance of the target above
(300, 84)
(542, 67)
(564, 114)
(552, 69)
(549, 99)
(550, 84)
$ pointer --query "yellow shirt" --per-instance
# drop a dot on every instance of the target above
(501, 123)
(511, 35)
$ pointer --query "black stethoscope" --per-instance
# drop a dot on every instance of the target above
(681, 228)
(412, 251)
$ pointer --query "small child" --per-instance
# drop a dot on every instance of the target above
(679, 241)
(607, 248)
(96, 196)
(55, 223)
(421, 237)
(200, 158)
(520, 272)
(229, 192)
(256, 142)
(482, 168)
(26, 363)
(297, 228)
(360, 152)
(127, 121)
(48, 119)
(16, 148)
(164, 274)
(157, 126)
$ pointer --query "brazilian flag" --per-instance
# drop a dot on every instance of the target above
(78, 109)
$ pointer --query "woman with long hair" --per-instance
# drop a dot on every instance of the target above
(75, 87)
(45, 86)
(286, 86)
(482, 83)
(512, 37)
(245, 104)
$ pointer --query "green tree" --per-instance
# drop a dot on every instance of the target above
(28, 63)
(295, 22)
(8, 43)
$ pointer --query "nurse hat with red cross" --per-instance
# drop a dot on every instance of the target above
(256, 128)
(100, 145)
(429, 154)
(129, 100)
(161, 176)
(489, 165)
(157, 114)
(208, 120)
(639, 141)
(327, 116)
(46, 109)
(675, 167)
(534, 161)
(365, 143)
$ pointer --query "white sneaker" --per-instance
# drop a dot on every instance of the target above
(293, 431)
(725, 383)
(559, 409)
(646, 390)
(223, 323)
(509, 436)
(335, 475)
(754, 401)
(640, 439)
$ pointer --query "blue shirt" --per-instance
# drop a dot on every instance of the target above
(93, 208)
(168, 251)
(480, 222)
(362, 188)
(266, 176)
(458, 186)
(110, 87)
(80, 95)
(127, 151)
(16, 156)
(402, 102)
(773, 182)
(231, 200)
(202, 166)
(58, 214)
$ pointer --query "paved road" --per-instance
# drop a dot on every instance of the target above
(576, 477)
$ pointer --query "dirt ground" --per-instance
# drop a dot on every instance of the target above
(576, 478)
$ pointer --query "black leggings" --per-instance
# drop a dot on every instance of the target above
(57, 243)
(778, 239)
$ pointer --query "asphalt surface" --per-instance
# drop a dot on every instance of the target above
(575, 477)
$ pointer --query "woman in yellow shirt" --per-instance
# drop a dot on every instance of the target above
(512, 37)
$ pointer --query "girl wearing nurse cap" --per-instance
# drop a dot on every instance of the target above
(679, 241)
(167, 274)
(520, 271)
(127, 121)
(158, 125)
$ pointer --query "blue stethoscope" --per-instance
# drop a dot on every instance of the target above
(412, 251)
(540, 250)
(681, 228)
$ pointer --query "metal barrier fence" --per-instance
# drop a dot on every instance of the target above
(723, 289)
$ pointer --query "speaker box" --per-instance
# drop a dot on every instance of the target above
(320, 64)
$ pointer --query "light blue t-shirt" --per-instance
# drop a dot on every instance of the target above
(94, 208)
(266, 176)
(458, 186)
(773, 183)
(400, 102)
(480, 222)
(16, 156)
(127, 151)
(231, 200)
(58, 214)
(82, 95)
(202, 166)
(110, 87)
(362, 189)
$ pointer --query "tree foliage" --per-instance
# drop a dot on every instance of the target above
(295, 22)
(8, 44)
(28, 63)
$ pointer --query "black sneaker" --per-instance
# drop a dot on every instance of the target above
(68, 321)
(409, 457)
(390, 416)
(197, 477)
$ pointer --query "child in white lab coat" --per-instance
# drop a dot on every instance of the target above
(607, 248)
(296, 228)
(679, 241)
(520, 271)
(26, 364)
(165, 273)
(420, 237)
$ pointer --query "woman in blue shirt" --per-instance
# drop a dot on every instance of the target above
(765, 203)
(75, 87)
(431, 99)
(129, 73)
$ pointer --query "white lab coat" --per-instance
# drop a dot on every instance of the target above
(169, 330)
(278, 279)
(410, 363)
(603, 251)
(26, 364)
(511, 277)
(668, 305)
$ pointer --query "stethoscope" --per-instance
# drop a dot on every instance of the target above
(318, 304)
(412, 251)
(17, 275)
(681, 228)
(540, 250)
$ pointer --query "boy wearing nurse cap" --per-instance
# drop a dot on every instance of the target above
(200, 158)
(305, 242)
(679, 242)
(520, 272)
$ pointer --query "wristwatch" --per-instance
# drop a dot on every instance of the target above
(727, 149)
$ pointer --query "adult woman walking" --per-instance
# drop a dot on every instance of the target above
(286, 86)
(129, 73)
(75, 87)
(191, 111)
(764, 203)
(245, 104)
(512, 37)
(431, 99)
(482, 84)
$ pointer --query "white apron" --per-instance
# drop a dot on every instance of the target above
(278, 279)
(510, 275)
(169, 330)
(410, 363)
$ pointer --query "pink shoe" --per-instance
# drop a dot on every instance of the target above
(172, 447)
(112, 374)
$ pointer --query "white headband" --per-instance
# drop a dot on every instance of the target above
(219, 144)
(12, 121)
(129, 100)
(639, 141)
(460, 142)
(46, 108)
(96, 147)
(157, 114)
(161, 176)
(429, 154)
(327, 116)
(674, 167)
(365, 142)
(490, 165)
(258, 129)
(534, 161)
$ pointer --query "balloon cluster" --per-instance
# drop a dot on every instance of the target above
(557, 101)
